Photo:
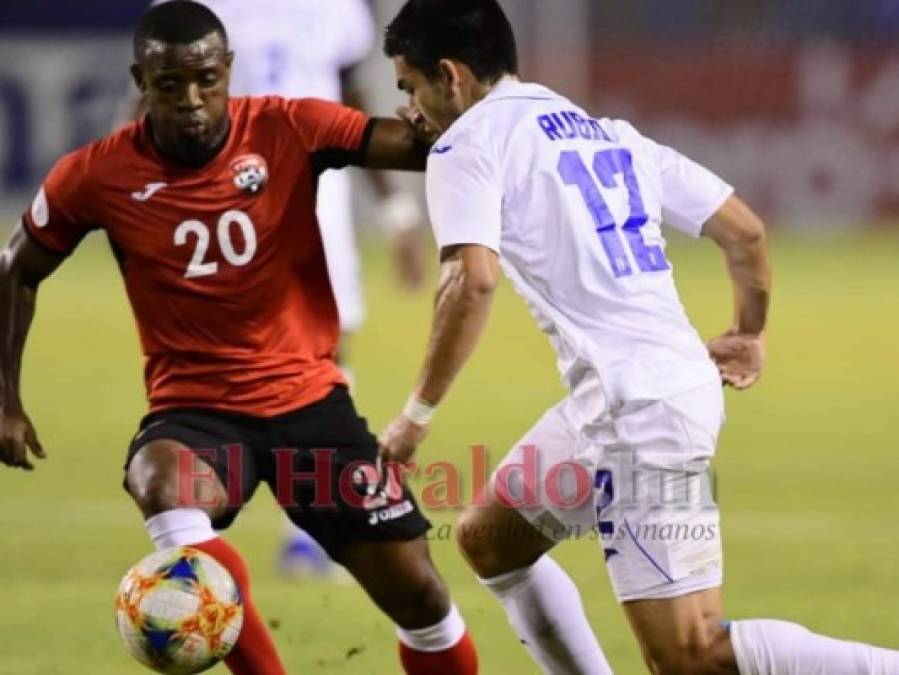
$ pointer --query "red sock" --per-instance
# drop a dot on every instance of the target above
(254, 653)
(462, 659)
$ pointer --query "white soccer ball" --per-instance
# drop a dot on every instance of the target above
(178, 611)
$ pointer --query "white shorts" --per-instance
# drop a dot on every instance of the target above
(335, 217)
(640, 482)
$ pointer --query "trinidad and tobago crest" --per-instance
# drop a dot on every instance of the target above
(250, 173)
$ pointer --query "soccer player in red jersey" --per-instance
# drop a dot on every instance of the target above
(209, 206)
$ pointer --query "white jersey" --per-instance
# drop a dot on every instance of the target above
(294, 48)
(574, 207)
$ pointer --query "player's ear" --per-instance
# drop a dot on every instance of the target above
(229, 59)
(450, 75)
(137, 74)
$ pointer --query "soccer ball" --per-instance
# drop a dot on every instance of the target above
(178, 611)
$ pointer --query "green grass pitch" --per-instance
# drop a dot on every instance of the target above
(808, 465)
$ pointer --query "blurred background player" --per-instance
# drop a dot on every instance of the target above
(303, 49)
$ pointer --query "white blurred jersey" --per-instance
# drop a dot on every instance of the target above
(574, 207)
(294, 48)
(297, 49)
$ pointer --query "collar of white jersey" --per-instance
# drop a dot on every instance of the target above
(512, 87)
(508, 87)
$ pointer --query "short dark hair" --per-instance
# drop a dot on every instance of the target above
(177, 22)
(475, 32)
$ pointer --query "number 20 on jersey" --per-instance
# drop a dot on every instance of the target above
(198, 266)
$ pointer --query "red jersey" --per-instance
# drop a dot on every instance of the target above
(223, 265)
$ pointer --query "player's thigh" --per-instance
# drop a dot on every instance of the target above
(657, 515)
(540, 494)
(189, 460)
(683, 635)
(401, 579)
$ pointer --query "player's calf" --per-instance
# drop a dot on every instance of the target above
(401, 579)
(413, 594)
(541, 601)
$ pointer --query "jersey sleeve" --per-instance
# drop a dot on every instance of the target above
(61, 213)
(358, 37)
(335, 134)
(691, 194)
(464, 195)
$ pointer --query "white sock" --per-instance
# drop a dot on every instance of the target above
(766, 647)
(437, 638)
(544, 607)
(179, 527)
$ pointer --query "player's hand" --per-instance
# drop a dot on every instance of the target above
(400, 440)
(739, 357)
(423, 131)
(17, 436)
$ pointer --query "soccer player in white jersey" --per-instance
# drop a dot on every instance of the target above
(304, 49)
(570, 208)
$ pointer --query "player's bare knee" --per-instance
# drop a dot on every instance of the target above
(152, 479)
(155, 481)
(479, 550)
(495, 545)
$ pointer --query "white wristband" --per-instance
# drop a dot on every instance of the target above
(419, 412)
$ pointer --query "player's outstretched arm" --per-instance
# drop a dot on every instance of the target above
(740, 352)
(469, 275)
(400, 144)
(23, 266)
